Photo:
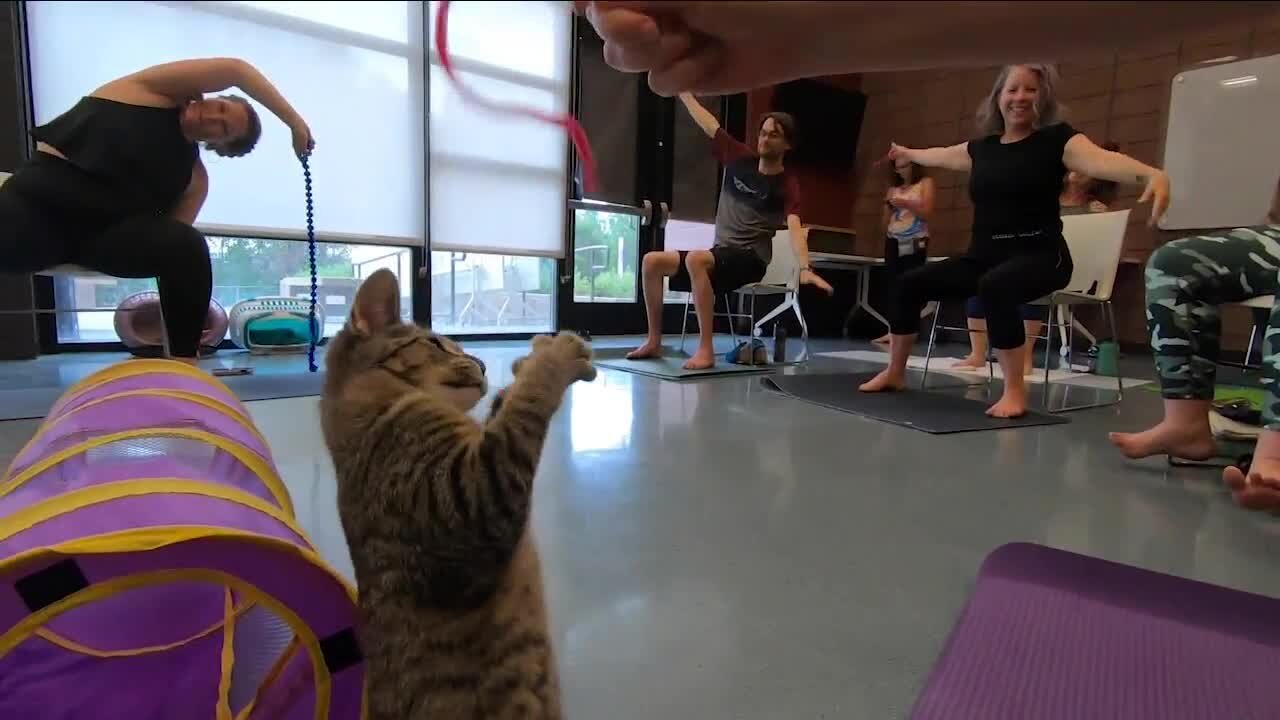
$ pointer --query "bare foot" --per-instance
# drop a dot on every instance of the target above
(651, 349)
(969, 362)
(1188, 443)
(1260, 489)
(882, 340)
(701, 360)
(1010, 405)
(887, 380)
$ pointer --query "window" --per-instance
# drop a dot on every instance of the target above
(606, 253)
(243, 269)
(354, 72)
(498, 182)
(475, 293)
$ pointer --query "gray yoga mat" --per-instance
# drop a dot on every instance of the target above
(33, 403)
(668, 367)
(932, 412)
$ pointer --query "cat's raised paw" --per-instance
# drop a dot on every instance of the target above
(568, 348)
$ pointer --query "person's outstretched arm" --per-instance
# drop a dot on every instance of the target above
(953, 157)
(724, 147)
(186, 79)
(724, 46)
(1086, 158)
(700, 115)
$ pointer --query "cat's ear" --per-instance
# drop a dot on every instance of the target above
(377, 304)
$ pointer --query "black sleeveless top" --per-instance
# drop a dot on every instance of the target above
(140, 150)
(1015, 187)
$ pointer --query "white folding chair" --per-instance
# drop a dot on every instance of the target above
(1096, 241)
(782, 277)
(1262, 302)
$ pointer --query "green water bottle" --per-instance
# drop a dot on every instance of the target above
(1108, 358)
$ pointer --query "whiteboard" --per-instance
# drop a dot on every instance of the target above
(1222, 148)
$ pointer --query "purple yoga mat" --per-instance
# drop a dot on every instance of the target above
(1053, 635)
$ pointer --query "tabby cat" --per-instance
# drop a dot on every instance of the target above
(435, 507)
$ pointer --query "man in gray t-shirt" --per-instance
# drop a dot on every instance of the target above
(758, 198)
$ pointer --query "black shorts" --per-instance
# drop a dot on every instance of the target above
(734, 268)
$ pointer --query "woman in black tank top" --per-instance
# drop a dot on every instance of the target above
(1017, 253)
(116, 182)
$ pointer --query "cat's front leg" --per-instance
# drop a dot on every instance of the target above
(555, 364)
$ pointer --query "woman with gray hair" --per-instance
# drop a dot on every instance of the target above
(1017, 253)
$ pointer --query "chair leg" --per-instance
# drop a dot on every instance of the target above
(790, 300)
(1111, 321)
(1109, 310)
(928, 353)
(1248, 350)
(804, 328)
(1070, 354)
(733, 332)
(684, 323)
(1048, 350)
(1064, 328)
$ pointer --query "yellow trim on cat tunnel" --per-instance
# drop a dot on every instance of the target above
(58, 505)
(130, 368)
(322, 680)
(223, 708)
(75, 647)
(154, 538)
(32, 515)
(203, 400)
(272, 675)
(145, 539)
(256, 464)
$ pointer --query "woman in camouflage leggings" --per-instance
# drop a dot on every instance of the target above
(1186, 281)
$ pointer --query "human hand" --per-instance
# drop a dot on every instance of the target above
(1097, 206)
(1157, 191)
(303, 142)
(708, 48)
(809, 277)
(899, 152)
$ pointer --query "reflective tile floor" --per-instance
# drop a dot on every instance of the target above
(713, 550)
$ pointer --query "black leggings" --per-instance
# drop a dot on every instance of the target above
(1004, 274)
(53, 214)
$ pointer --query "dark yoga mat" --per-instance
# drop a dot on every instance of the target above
(669, 366)
(30, 403)
(932, 412)
(1053, 635)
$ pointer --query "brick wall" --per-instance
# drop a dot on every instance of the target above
(1122, 97)
(827, 196)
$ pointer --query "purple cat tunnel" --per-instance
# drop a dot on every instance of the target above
(151, 565)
